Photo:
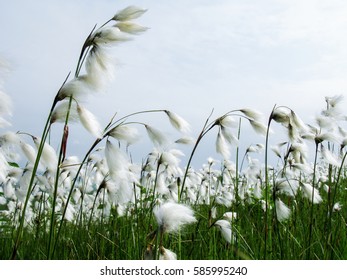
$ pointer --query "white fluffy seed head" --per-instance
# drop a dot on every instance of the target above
(228, 121)
(129, 13)
(185, 140)
(172, 216)
(282, 211)
(253, 114)
(100, 66)
(229, 136)
(29, 152)
(115, 158)
(108, 36)
(130, 27)
(178, 122)
(309, 192)
(281, 115)
(333, 101)
(329, 157)
(125, 133)
(78, 88)
(230, 216)
(156, 136)
(225, 229)
(222, 146)
(49, 156)
(60, 112)
(9, 138)
(258, 127)
(166, 254)
(89, 121)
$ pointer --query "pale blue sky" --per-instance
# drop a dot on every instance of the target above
(196, 56)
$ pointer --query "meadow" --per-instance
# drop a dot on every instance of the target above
(103, 205)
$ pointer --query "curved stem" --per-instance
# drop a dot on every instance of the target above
(312, 197)
(203, 132)
(267, 186)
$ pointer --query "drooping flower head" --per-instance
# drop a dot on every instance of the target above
(172, 216)
(225, 229)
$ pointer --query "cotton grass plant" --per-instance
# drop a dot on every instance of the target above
(54, 205)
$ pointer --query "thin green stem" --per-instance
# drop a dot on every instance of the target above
(308, 256)
(267, 185)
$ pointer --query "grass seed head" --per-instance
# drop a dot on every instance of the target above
(172, 216)
(89, 121)
(129, 13)
(282, 211)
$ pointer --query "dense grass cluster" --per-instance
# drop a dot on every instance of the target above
(106, 206)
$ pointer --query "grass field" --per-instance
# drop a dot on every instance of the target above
(106, 206)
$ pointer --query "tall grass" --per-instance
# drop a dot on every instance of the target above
(106, 206)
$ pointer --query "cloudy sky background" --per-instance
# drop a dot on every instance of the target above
(196, 56)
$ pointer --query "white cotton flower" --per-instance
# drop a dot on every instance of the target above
(109, 35)
(178, 122)
(251, 149)
(172, 216)
(60, 112)
(286, 187)
(334, 100)
(225, 229)
(3, 200)
(29, 152)
(228, 136)
(166, 254)
(228, 121)
(100, 66)
(185, 140)
(120, 190)
(326, 136)
(49, 156)
(308, 191)
(130, 27)
(9, 190)
(337, 207)
(70, 212)
(122, 174)
(329, 157)
(116, 159)
(258, 127)
(24, 183)
(4, 167)
(325, 122)
(9, 138)
(78, 88)
(71, 165)
(156, 136)
(250, 113)
(282, 211)
(171, 157)
(229, 216)
(297, 122)
(125, 133)
(129, 13)
(222, 146)
(281, 115)
(89, 121)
